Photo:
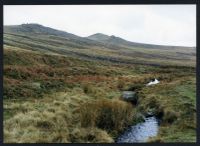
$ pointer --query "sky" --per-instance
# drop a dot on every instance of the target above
(153, 24)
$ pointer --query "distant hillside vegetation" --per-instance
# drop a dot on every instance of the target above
(99, 47)
(113, 40)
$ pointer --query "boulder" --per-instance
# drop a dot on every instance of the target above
(129, 96)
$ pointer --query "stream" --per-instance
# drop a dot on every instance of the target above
(140, 132)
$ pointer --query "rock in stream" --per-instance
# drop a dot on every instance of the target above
(129, 96)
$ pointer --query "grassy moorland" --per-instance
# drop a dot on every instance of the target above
(57, 96)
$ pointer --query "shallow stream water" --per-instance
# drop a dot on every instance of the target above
(140, 132)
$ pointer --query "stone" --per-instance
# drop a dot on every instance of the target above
(36, 85)
(129, 96)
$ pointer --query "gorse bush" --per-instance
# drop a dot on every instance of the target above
(110, 115)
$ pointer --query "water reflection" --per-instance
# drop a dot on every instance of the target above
(140, 132)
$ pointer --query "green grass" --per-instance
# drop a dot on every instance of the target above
(176, 101)
(187, 91)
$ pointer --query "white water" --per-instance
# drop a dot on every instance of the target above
(140, 132)
(153, 82)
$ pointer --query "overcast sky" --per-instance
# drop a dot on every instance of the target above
(155, 24)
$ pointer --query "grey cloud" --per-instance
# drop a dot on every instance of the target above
(156, 24)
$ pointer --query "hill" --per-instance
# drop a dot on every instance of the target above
(99, 37)
(98, 47)
(113, 40)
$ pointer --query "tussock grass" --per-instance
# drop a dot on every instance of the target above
(36, 126)
(170, 116)
(110, 115)
(92, 135)
(51, 122)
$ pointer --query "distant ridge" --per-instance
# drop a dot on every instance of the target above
(101, 47)
(36, 28)
(97, 37)
(113, 40)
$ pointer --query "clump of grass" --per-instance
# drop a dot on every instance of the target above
(120, 84)
(135, 87)
(110, 115)
(88, 89)
(170, 116)
(156, 139)
(93, 91)
(36, 127)
(175, 134)
(87, 135)
(151, 104)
